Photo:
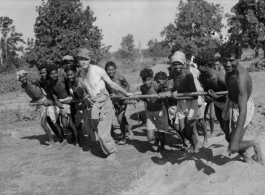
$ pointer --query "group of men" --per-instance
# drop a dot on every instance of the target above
(85, 97)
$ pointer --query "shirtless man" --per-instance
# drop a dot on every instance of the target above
(43, 83)
(119, 105)
(186, 109)
(212, 81)
(79, 93)
(239, 107)
(35, 93)
(60, 94)
(101, 117)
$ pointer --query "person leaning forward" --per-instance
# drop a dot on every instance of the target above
(98, 100)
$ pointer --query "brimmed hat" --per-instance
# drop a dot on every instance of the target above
(85, 53)
(178, 56)
(21, 73)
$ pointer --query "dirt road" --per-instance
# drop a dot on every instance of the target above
(28, 167)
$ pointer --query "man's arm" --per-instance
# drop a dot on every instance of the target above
(124, 83)
(237, 133)
(112, 84)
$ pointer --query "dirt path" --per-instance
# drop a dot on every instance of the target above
(27, 167)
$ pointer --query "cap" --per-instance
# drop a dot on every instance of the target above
(83, 52)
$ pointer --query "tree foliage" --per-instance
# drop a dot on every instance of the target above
(247, 23)
(197, 26)
(156, 49)
(127, 51)
(61, 28)
(9, 40)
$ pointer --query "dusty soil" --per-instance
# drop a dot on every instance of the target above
(28, 167)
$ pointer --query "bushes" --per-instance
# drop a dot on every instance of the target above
(8, 82)
(257, 66)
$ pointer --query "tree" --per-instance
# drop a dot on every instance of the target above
(61, 28)
(158, 50)
(127, 51)
(9, 39)
(197, 26)
(247, 24)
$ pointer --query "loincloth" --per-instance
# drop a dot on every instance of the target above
(66, 111)
(187, 108)
(172, 115)
(231, 112)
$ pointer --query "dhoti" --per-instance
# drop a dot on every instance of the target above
(231, 112)
(101, 117)
(187, 108)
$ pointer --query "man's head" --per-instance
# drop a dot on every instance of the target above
(217, 65)
(53, 73)
(110, 68)
(161, 78)
(43, 71)
(22, 76)
(71, 73)
(147, 76)
(230, 63)
(67, 61)
(84, 57)
(178, 59)
(230, 54)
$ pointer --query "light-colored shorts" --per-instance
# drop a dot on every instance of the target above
(157, 120)
(172, 115)
(201, 109)
(53, 112)
(187, 109)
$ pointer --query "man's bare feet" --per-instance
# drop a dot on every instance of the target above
(211, 135)
(131, 136)
(258, 157)
(156, 144)
(192, 149)
(112, 156)
(205, 143)
(122, 141)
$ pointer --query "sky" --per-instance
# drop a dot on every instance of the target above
(144, 19)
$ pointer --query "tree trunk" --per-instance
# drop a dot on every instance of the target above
(256, 52)
(263, 48)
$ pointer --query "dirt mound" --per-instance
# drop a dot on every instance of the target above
(209, 175)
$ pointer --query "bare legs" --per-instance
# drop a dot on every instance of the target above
(244, 145)
(158, 137)
(189, 134)
(212, 119)
(46, 128)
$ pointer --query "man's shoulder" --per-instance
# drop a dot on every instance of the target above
(97, 69)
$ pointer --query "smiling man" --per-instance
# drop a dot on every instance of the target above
(94, 80)
(119, 105)
(239, 107)
(186, 109)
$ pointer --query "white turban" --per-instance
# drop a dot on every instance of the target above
(178, 56)
(20, 73)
